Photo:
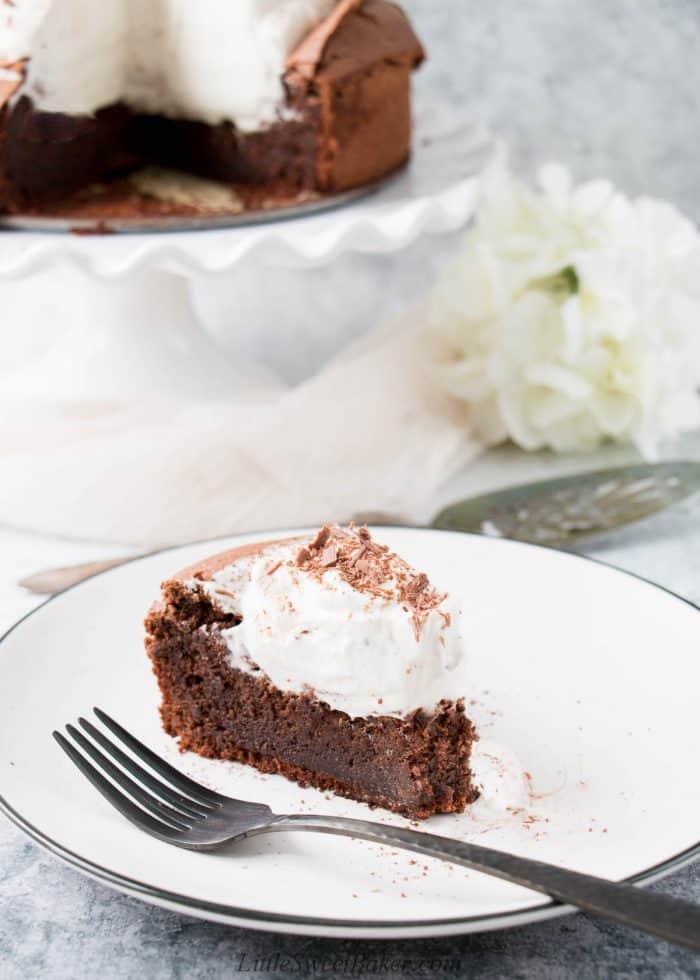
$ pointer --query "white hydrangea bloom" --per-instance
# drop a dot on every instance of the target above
(573, 317)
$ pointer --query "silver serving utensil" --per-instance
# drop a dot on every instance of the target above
(176, 809)
(562, 512)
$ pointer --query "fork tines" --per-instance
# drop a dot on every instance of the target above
(164, 809)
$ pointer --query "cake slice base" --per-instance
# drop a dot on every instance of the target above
(417, 766)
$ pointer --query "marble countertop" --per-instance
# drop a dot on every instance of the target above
(612, 90)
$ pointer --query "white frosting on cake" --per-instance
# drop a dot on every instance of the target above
(209, 60)
(360, 653)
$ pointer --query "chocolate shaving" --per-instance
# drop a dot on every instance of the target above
(231, 595)
(372, 569)
(414, 588)
(274, 568)
(303, 556)
(321, 538)
(329, 556)
(355, 557)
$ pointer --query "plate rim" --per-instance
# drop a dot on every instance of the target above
(315, 925)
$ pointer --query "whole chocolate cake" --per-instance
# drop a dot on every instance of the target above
(284, 95)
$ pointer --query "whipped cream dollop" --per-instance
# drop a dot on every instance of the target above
(209, 60)
(344, 618)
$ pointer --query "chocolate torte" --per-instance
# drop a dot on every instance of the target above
(284, 95)
(327, 659)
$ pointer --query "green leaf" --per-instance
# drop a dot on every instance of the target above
(563, 283)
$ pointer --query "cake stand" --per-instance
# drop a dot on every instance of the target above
(118, 305)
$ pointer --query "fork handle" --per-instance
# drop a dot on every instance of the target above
(660, 915)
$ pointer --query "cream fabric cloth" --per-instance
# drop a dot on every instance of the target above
(372, 431)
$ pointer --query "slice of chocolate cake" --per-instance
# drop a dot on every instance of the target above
(327, 659)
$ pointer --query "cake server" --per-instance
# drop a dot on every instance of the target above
(558, 513)
(562, 512)
(179, 811)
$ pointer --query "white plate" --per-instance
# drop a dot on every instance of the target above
(590, 675)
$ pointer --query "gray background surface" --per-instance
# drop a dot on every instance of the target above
(610, 87)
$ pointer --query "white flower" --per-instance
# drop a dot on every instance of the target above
(573, 317)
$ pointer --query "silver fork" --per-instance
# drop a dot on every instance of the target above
(180, 811)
